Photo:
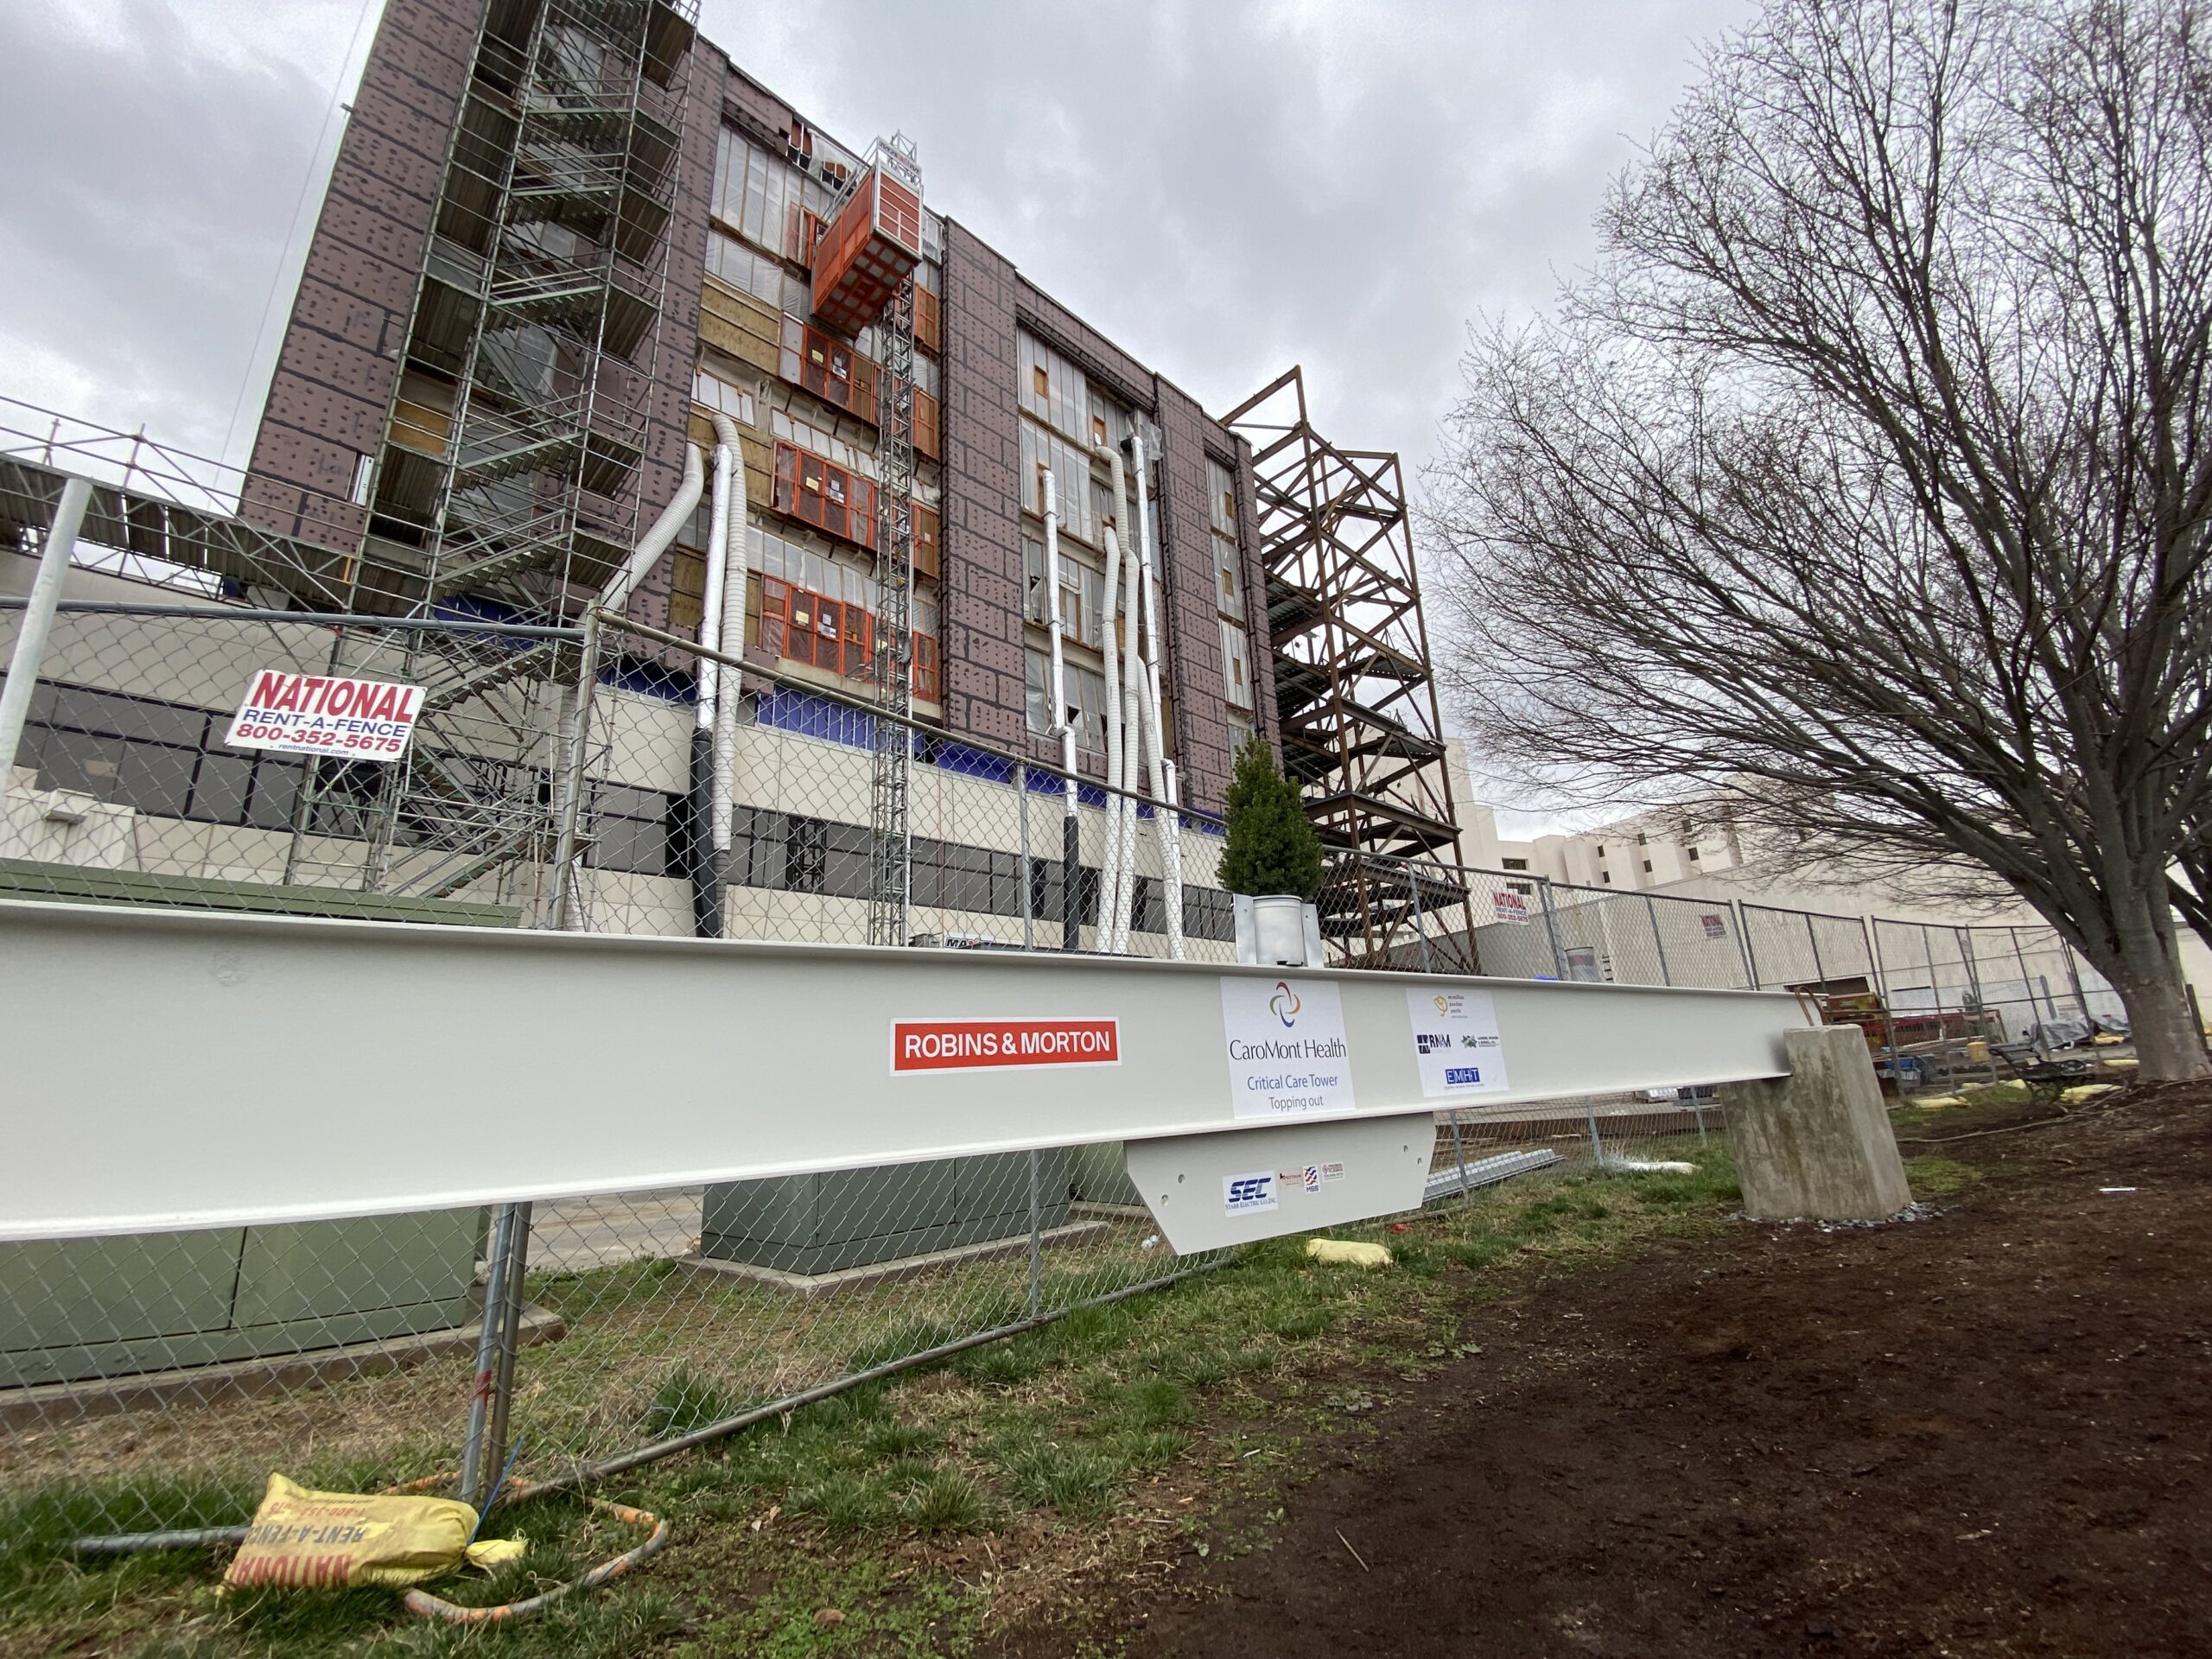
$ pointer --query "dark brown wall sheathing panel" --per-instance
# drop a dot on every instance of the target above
(753, 106)
(341, 351)
(1257, 644)
(1098, 356)
(981, 587)
(1194, 636)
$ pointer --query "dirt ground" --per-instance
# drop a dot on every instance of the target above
(1983, 1433)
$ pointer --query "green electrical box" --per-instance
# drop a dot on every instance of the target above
(821, 1224)
(75, 1310)
(1098, 1174)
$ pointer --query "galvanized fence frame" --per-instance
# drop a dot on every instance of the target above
(591, 1336)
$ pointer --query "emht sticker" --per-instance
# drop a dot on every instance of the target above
(1456, 1043)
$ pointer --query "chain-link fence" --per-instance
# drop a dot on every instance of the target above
(565, 777)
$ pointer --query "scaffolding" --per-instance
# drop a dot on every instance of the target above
(507, 485)
(1355, 696)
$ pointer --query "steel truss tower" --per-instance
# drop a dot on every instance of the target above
(1355, 697)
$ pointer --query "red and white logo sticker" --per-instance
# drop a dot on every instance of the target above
(324, 714)
(985, 1044)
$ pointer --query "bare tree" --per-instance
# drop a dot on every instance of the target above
(1866, 479)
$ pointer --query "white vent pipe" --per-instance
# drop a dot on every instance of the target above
(1133, 701)
(566, 913)
(1071, 837)
(673, 518)
(728, 686)
(1168, 825)
(1109, 874)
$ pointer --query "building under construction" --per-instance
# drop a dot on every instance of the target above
(571, 260)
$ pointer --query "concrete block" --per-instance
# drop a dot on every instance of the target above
(1817, 1144)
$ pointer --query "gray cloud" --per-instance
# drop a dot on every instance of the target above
(1225, 187)
(156, 153)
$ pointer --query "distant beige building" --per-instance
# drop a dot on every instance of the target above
(1649, 852)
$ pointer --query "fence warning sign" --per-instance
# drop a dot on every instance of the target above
(323, 714)
(984, 1045)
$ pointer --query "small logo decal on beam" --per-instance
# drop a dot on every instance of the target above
(989, 1044)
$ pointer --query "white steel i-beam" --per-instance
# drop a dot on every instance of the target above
(177, 1069)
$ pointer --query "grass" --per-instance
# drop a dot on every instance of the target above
(893, 1505)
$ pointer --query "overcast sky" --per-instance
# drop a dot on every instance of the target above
(1225, 188)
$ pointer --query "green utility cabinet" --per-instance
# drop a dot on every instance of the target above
(854, 1218)
(100, 1308)
(1098, 1173)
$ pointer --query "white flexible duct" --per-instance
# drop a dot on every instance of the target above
(1132, 702)
(1071, 834)
(616, 594)
(1109, 876)
(1169, 824)
(729, 686)
(721, 542)
(1120, 878)
(1061, 724)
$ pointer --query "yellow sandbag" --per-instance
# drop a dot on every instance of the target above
(1933, 1102)
(305, 1539)
(1346, 1252)
(2081, 1091)
(2121, 1063)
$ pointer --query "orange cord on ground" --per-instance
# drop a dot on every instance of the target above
(430, 1606)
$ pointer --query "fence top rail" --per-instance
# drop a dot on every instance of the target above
(217, 611)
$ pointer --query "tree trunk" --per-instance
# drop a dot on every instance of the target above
(2167, 1041)
(2145, 970)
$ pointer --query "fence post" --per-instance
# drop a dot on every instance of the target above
(1812, 938)
(29, 655)
(1743, 938)
(2027, 985)
(1965, 936)
(493, 1338)
(1072, 873)
(1028, 901)
(2074, 979)
(1658, 942)
(1421, 933)
(1036, 1234)
(503, 1385)
(1596, 1147)
(1459, 1152)
(1873, 932)
(572, 779)
(1551, 927)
